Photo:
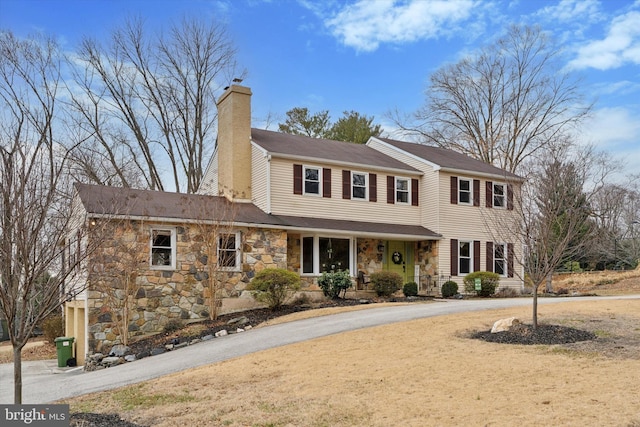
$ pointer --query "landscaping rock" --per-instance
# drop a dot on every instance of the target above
(119, 350)
(157, 351)
(222, 333)
(503, 325)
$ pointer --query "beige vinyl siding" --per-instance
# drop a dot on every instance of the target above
(428, 183)
(209, 184)
(284, 202)
(464, 222)
(259, 179)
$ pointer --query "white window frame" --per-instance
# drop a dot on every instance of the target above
(316, 253)
(237, 249)
(503, 196)
(365, 186)
(470, 257)
(503, 259)
(408, 191)
(304, 180)
(470, 191)
(172, 263)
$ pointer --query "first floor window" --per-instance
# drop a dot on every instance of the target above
(499, 259)
(320, 254)
(229, 251)
(402, 190)
(163, 248)
(465, 257)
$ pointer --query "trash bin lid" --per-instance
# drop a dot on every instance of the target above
(60, 339)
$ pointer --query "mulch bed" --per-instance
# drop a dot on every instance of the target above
(543, 334)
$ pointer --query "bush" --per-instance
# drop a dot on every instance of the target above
(449, 289)
(410, 289)
(386, 283)
(274, 286)
(506, 293)
(52, 328)
(172, 326)
(334, 283)
(489, 282)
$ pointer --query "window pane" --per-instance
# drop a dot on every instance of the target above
(464, 265)
(498, 195)
(162, 238)
(402, 197)
(334, 254)
(307, 254)
(402, 185)
(161, 256)
(499, 267)
(358, 179)
(465, 249)
(311, 174)
(227, 250)
(464, 185)
(312, 187)
(359, 193)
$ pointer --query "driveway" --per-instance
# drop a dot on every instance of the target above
(43, 382)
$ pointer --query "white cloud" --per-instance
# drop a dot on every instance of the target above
(573, 10)
(619, 47)
(366, 24)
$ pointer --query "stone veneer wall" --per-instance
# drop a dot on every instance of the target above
(158, 296)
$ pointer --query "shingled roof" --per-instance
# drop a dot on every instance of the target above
(449, 159)
(303, 147)
(117, 202)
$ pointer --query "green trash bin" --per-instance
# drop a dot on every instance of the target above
(64, 348)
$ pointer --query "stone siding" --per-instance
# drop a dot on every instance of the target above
(122, 284)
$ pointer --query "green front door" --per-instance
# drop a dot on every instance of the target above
(400, 259)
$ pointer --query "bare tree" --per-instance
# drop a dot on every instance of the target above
(502, 104)
(36, 219)
(150, 99)
(555, 210)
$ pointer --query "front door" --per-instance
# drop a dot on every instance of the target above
(400, 259)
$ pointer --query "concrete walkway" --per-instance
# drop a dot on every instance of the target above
(43, 382)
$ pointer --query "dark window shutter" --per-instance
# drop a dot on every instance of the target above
(489, 201)
(326, 182)
(373, 187)
(476, 255)
(489, 266)
(346, 184)
(510, 256)
(454, 257)
(391, 189)
(414, 192)
(297, 179)
(454, 190)
(509, 197)
(476, 192)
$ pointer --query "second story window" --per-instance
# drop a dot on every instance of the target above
(359, 185)
(312, 180)
(402, 190)
(464, 191)
(499, 196)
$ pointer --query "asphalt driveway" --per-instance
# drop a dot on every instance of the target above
(43, 382)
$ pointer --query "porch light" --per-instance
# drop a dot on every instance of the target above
(381, 247)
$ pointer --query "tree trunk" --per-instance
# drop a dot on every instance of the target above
(17, 375)
(535, 307)
(549, 285)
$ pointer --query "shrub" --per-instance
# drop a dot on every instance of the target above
(274, 286)
(172, 326)
(52, 328)
(410, 289)
(333, 283)
(506, 293)
(489, 282)
(449, 289)
(386, 283)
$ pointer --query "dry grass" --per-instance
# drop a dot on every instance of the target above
(36, 349)
(600, 282)
(417, 373)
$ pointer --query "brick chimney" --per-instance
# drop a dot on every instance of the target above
(234, 143)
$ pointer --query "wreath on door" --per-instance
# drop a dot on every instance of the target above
(396, 257)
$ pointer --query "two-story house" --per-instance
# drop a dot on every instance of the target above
(277, 200)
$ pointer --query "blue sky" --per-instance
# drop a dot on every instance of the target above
(372, 56)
